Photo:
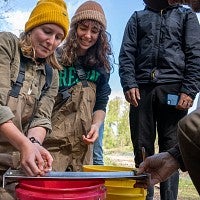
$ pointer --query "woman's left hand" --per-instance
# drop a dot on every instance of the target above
(35, 159)
(47, 158)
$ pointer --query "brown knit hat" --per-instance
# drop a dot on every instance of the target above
(49, 11)
(89, 10)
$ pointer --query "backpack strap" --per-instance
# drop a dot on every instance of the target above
(20, 79)
(16, 87)
(48, 77)
(49, 74)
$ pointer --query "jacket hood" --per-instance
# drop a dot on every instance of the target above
(167, 8)
(157, 4)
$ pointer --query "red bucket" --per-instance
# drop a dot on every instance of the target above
(61, 189)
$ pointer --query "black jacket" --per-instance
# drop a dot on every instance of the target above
(176, 153)
(161, 47)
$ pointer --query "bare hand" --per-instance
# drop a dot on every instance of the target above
(185, 102)
(47, 160)
(160, 166)
(132, 96)
(35, 160)
(92, 135)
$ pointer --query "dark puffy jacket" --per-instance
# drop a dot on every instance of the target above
(161, 47)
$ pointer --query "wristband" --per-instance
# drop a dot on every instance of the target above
(33, 140)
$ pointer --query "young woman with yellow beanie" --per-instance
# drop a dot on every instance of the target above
(26, 65)
(80, 107)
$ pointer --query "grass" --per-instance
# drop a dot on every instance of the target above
(187, 190)
(124, 158)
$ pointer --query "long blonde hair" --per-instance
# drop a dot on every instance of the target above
(28, 50)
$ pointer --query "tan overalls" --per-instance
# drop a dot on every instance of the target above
(69, 122)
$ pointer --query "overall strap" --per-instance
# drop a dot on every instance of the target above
(49, 75)
(64, 93)
(78, 65)
(82, 75)
(15, 90)
(20, 79)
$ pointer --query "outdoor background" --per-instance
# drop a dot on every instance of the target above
(117, 13)
(118, 149)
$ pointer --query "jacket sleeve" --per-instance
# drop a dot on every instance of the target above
(176, 153)
(127, 55)
(103, 91)
(8, 50)
(45, 106)
(191, 80)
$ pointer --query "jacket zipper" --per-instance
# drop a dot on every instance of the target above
(153, 73)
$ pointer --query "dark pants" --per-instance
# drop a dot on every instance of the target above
(153, 115)
(189, 142)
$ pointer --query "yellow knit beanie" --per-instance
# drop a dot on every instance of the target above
(49, 11)
(89, 10)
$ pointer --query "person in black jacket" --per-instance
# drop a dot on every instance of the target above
(159, 71)
(185, 154)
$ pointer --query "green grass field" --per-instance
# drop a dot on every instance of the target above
(187, 190)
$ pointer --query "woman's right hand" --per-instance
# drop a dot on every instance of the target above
(160, 166)
(35, 159)
(133, 96)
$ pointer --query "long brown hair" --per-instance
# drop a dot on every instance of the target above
(99, 54)
(28, 50)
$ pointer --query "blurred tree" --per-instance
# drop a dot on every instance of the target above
(124, 135)
(117, 133)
